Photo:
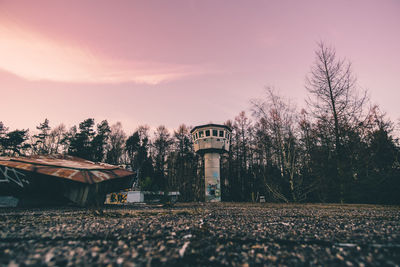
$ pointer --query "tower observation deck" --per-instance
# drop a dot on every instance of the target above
(210, 141)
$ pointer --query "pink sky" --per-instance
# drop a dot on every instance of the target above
(173, 62)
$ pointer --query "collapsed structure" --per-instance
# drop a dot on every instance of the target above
(60, 179)
(210, 141)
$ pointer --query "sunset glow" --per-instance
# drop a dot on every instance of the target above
(35, 57)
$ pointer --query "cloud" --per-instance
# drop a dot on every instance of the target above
(35, 57)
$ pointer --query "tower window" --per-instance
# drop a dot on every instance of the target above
(215, 132)
(201, 134)
(207, 132)
(221, 133)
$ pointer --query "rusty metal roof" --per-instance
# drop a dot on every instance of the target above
(67, 167)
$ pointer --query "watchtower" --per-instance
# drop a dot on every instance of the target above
(210, 141)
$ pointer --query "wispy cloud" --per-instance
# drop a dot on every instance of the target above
(36, 57)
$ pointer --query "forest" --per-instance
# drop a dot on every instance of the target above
(339, 148)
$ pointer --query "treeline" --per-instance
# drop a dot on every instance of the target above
(337, 149)
(161, 162)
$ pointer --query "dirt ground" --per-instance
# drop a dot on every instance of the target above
(233, 234)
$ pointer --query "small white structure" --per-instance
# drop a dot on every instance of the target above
(210, 141)
(124, 197)
(135, 196)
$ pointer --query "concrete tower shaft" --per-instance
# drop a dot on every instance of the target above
(212, 177)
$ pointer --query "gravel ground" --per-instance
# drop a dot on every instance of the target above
(212, 234)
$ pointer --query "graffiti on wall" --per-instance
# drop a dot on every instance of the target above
(117, 198)
(11, 175)
(213, 190)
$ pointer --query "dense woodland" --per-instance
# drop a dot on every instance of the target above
(339, 148)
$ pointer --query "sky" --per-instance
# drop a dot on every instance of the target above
(173, 62)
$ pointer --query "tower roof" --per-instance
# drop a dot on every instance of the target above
(211, 125)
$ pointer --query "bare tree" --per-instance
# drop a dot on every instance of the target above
(116, 142)
(182, 164)
(161, 144)
(143, 131)
(57, 139)
(241, 142)
(277, 116)
(334, 100)
(183, 141)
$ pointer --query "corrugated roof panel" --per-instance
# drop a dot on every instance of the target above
(67, 167)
